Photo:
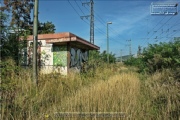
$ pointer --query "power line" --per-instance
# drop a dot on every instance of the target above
(162, 26)
(91, 19)
(79, 7)
(101, 21)
(73, 8)
(97, 28)
(112, 30)
(100, 31)
(84, 5)
(159, 28)
(157, 24)
(172, 35)
(174, 25)
(130, 51)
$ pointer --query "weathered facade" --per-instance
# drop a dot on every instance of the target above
(59, 52)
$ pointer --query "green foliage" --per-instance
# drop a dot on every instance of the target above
(12, 47)
(156, 98)
(19, 25)
(137, 62)
(3, 31)
(8, 86)
(9, 42)
(164, 92)
(3, 20)
(101, 57)
(164, 55)
(96, 59)
(20, 11)
(45, 28)
(158, 56)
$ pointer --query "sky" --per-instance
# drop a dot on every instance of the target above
(131, 20)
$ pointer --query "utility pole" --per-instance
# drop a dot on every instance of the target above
(108, 41)
(92, 23)
(139, 50)
(121, 55)
(130, 51)
(35, 39)
(91, 3)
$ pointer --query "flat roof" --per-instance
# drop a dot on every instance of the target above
(66, 37)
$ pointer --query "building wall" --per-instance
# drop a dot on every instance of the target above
(57, 58)
(60, 56)
(50, 58)
(60, 59)
(46, 59)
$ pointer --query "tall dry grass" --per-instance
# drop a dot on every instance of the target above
(118, 94)
(108, 88)
(163, 89)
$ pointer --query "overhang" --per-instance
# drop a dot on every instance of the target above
(64, 38)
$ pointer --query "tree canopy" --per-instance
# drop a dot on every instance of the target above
(45, 28)
(158, 57)
(18, 12)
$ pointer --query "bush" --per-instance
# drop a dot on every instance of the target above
(8, 87)
(157, 57)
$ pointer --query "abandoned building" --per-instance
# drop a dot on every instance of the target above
(59, 52)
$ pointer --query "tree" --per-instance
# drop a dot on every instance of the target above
(94, 55)
(157, 57)
(3, 20)
(3, 33)
(101, 57)
(45, 28)
(112, 58)
(20, 11)
(3, 26)
(163, 55)
(20, 22)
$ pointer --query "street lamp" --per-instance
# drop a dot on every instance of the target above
(108, 42)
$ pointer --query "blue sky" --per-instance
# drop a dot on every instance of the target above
(130, 19)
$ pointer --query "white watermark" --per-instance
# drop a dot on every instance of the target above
(164, 8)
(90, 114)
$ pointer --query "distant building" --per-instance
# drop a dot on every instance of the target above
(59, 52)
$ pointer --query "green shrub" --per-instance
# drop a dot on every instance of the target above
(157, 57)
(8, 87)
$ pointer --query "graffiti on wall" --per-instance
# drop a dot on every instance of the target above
(60, 56)
(46, 56)
(78, 57)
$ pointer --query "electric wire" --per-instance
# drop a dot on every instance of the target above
(114, 31)
(102, 22)
(158, 29)
(79, 7)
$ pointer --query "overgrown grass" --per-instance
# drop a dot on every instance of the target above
(107, 88)
(164, 93)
